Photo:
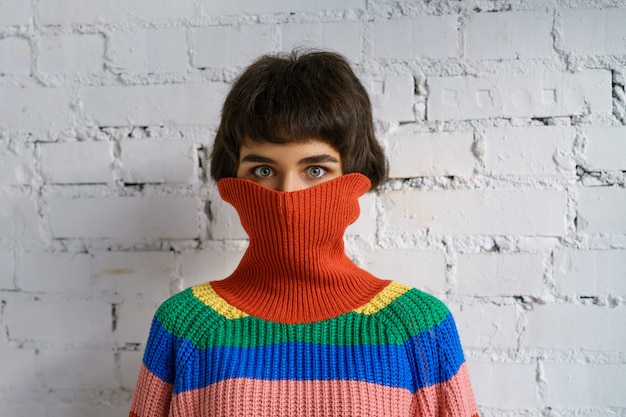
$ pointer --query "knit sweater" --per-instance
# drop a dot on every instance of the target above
(298, 329)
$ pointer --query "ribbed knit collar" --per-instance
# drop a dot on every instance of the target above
(295, 269)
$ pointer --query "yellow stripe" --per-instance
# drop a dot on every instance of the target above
(206, 294)
(383, 298)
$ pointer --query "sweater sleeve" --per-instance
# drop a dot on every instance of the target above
(155, 384)
(439, 371)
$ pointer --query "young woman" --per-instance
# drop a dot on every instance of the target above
(298, 329)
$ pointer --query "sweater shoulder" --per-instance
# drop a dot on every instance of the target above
(187, 315)
(407, 308)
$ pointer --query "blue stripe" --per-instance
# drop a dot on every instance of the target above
(432, 356)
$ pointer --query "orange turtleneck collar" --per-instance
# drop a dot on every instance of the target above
(295, 269)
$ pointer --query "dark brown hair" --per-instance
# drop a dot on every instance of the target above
(295, 98)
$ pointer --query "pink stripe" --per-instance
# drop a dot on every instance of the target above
(250, 397)
(152, 395)
(452, 398)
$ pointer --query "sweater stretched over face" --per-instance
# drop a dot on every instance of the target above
(298, 329)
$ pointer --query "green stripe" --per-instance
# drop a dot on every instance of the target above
(184, 316)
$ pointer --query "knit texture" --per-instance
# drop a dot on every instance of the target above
(298, 329)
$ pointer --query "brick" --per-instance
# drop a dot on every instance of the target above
(500, 274)
(17, 167)
(365, 225)
(19, 218)
(606, 147)
(7, 270)
(15, 56)
(84, 369)
(125, 217)
(133, 322)
(410, 39)
(91, 410)
(528, 151)
(54, 273)
(594, 31)
(34, 108)
(61, 322)
(155, 105)
(226, 224)
(159, 161)
(77, 162)
(18, 368)
(129, 364)
(579, 327)
(590, 272)
(421, 269)
(509, 35)
(430, 154)
(547, 94)
(225, 7)
(392, 97)
(127, 273)
(486, 325)
(343, 37)
(601, 210)
(573, 385)
(208, 265)
(483, 212)
(21, 410)
(491, 379)
(152, 51)
(15, 12)
(55, 12)
(230, 46)
(71, 54)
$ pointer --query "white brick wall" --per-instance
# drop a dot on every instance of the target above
(505, 133)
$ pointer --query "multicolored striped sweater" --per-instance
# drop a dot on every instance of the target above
(300, 330)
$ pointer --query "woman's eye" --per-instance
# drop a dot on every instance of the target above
(263, 171)
(316, 172)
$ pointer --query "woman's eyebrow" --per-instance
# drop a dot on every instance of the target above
(257, 158)
(317, 159)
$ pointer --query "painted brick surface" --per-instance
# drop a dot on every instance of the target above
(71, 54)
(487, 325)
(591, 386)
(529, 95)
(529, 150)
(590, 273)
(489, 212)
(498, 377)
(511, 35)
(599, 210)
(606, 148)
(153, 50)
(159, 161)
(77, 162)
(594, 31)
(34, 108)
(504, 129)
(15, 56)
(430, 154)
(425, 270)
(133, 273)
(194, 104)
(343, 37)
(125, 217)
(230, 46)
(7, 270)
(423, 37)
(500, 274)
(54, 273)
(17, 166)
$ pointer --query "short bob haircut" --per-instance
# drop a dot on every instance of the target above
(299, 97)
